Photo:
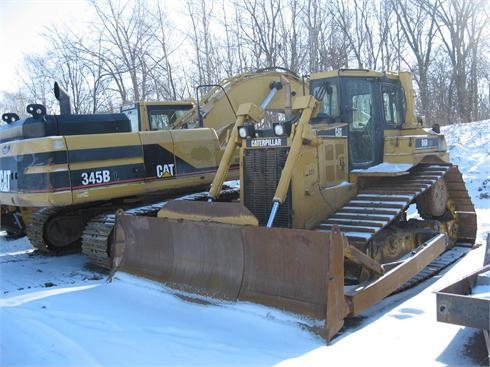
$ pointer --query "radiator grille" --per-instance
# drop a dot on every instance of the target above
(262, 171)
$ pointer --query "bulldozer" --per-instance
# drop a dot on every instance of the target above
(61, 173)
(341, 204)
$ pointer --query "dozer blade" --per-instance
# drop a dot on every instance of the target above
(295, 270)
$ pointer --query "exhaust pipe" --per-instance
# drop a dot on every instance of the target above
(64, 98)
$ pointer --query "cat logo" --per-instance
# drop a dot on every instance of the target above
(165, 170)
(5, 180)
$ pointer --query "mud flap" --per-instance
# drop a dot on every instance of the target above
(295, 270)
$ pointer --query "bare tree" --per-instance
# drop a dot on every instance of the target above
(291, 40)
(259, 30)
(206, 59)
(126, 41)
(134, 52)
(417, 21)
(162, 75)
(14, 102)
(37, 81)
(461, 24)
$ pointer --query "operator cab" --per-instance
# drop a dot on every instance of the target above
(369, 102)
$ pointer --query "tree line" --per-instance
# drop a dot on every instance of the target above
(139, 50)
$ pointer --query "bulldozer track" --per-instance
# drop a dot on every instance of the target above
(379, 204)
(98, 231)
(444, 260)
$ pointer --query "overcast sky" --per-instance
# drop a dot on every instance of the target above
(21, 25)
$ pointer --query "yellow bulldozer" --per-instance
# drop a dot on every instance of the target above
(327, 223)
(61, 173)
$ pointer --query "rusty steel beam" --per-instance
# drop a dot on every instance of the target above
(364, 296)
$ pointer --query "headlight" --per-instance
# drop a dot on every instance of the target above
(278, 129)
(282, 128)
(242, 132)
(246, 131)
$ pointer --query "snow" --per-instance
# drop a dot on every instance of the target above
(386, 168)
(54, 311)
(482, 286)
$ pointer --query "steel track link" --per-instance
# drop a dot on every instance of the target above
(380, 204)
(443, 261)
(375, 207)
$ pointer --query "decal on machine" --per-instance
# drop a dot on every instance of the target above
(266, 142)
(95, 177)
(426, 143)
(5, 180)
(165, 170)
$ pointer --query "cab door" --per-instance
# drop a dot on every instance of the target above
(361, 109)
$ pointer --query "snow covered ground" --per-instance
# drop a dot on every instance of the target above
(55, 311)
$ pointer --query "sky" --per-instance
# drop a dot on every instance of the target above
(21, 25)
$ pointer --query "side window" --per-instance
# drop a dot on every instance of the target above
(159, 120)
(132, 114)
(330, 102)
(328, 94)
(393, 104)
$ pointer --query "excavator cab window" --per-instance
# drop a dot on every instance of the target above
(164, 117)
(159, 121)
(132, 114)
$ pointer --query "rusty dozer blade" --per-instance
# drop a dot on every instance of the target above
(208, 212)
(295, 270)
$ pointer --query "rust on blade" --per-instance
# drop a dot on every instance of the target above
(187, 254)
(295, 270)
(208, 212)
(286, 268)
(363, 297)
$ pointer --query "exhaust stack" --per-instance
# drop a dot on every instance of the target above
(64, 98)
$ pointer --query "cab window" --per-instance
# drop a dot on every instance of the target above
(327, 93)
(159, 120)
(164, 117)
(393, 106)
(132, 114)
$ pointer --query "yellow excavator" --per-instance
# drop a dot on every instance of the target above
(60, 172)
(325, 225)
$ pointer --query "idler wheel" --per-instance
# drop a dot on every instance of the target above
(433, 202)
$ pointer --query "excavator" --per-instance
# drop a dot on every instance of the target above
(61, 173)
(343, 202)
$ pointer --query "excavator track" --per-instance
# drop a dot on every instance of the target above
(97, 235)
(35, 229)
(57, 230)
